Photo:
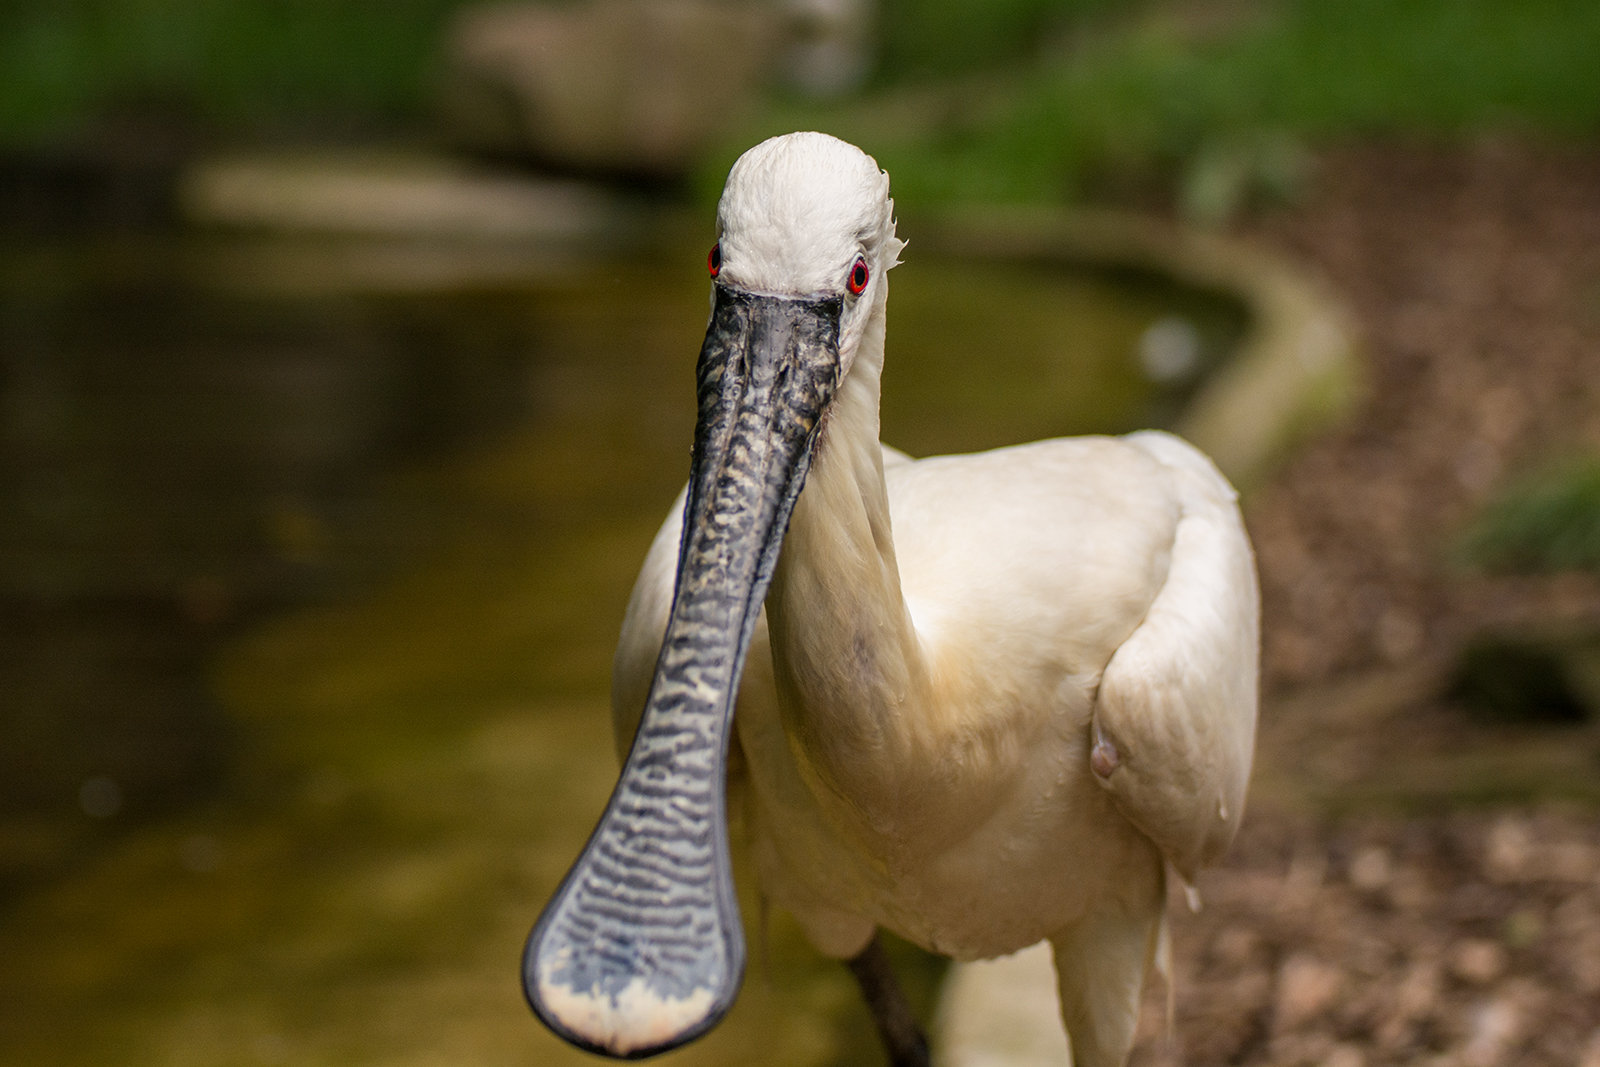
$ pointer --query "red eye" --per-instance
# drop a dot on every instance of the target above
(858, 277)
(714, 260)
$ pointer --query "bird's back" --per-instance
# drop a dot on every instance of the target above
(1051, 551)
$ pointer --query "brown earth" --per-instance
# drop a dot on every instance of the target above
(1465, 940)
(1474, 275)
(1406, 890)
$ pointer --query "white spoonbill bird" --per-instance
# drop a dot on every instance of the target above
(977, 700)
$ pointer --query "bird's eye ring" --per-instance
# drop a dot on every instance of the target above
(714, 260)
(858, 277)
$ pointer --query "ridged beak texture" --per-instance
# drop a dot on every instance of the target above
(641, 949)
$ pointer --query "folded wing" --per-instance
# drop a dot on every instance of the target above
(1177, 702)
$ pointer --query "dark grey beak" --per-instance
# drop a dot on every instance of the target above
(641, 948)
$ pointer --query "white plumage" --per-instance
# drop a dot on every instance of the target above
(946, 642)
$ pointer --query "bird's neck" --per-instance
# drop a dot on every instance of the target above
(849, 669)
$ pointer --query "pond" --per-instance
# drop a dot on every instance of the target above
(309, 578)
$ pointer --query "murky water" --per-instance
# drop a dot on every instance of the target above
(308, 588)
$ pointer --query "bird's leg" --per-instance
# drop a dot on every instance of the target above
(902, 1035)
(1101, 963)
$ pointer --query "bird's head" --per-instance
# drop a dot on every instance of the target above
(807, 217)
(642, 948)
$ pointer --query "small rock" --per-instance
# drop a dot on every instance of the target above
(1370, 871)
(1345, 1056)
(1509, 853)
(1495, 1026)
(1169, 350)
(1306, 988)
(1419, 993)
(1591, 1052)
(1234, 945)
(1571, 861)
(1478, 961)
(1416, 999)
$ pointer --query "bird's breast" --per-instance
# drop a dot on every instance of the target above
(966, 779)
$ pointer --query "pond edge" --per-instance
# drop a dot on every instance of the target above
(1297, 369)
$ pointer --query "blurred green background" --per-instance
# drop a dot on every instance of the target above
(1004, 100)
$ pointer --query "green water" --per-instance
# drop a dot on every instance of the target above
(307, 598)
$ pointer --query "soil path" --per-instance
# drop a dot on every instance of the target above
(1375, 910)
(1475, 277)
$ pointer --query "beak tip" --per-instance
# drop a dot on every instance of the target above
(633, 1022)
(647, 991)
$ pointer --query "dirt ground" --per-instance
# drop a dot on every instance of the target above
(1465, 940)
(1474, 275)
(1405, 890)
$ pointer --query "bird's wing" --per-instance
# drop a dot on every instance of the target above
(1177, 702)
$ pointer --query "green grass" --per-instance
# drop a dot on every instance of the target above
(922, 40)
(1547, 522)
(231, 63)
(1145, 96)
(1006, 101)
(249, 62)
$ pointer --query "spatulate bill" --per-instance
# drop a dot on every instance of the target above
(641, 949)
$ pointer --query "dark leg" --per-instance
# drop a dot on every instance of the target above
(902, 1037)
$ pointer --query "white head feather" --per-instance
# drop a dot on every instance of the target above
(798, 210)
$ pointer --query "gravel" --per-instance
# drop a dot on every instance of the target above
(1466, 940)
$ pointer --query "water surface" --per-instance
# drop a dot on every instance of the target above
(308, 588)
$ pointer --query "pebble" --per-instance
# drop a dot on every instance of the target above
(1345, 1056)
(1371, 870)
(1478, 961)
(1591, 1053)
(1235, 945)
(1494, 1027)
(1307, 986)
(1509, 852)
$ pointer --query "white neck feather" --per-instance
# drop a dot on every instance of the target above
(851, 675)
